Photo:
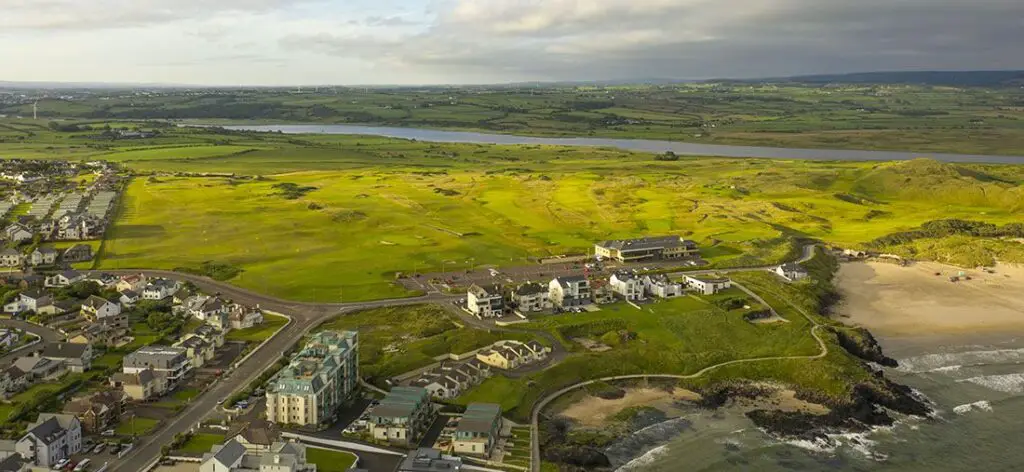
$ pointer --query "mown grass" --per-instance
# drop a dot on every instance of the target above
(330, 461)
(271, 323)
(142, 426)
(200, 443)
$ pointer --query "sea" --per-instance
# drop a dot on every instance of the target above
(976, 387)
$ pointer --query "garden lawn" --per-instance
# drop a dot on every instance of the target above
(142, 426)
(201, 443)
(330, 461)
(271, 323)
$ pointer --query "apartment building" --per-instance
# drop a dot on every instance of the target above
(403, 416)
(317, 380)
(170, 363)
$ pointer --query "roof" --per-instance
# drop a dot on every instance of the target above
(95, 302)
(27, 364)
(646, 243)
(143, 377)
(46, 250)
(50, 427)
(12, 463)
(709, 280)
(71, 274)
(485, 290)
(14, 372)
(429, 460)
(230, 453)
(65, 350)
(129, 293)
(79, 247)
(258, 431)
(565, 280)
(479, 418)
(791, 267)
(9, 252)
(531, 289)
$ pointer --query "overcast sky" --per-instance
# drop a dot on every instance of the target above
(283, 42)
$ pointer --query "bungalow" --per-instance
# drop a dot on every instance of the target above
(791, 272)
(34, 300)
(485, 301)
(64, 279)
(97, 308)
(40, 367)
(707, 285)
(531, 297)
(43, 255)
(98, 411)
(134, 283)
(662, 287)
(76, 357)
(570, 291)
(627, 285)
(18, 232)
(159, 289)
(11, 258)
(140, 386)
(77, 253)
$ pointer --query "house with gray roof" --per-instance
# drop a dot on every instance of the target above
(646, 248)
(64, 279)
(478, 430)
(316, 381)
(791, 272)
(76, 357)
(485, 301)
(43, 255)
(430, 460)
(170, 363)
(531, 297)
(403, 416)
(569, 291)
(232, 456)
(51, 438)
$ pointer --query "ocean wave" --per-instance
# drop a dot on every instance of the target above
(643, 441)
(982, 405)
(1006, 383)
(953, 362)
(641, 463)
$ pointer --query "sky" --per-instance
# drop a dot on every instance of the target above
(405, 42)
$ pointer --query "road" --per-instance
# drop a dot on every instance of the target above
(47, 335)
(304, 317)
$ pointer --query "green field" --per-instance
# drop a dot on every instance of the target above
(271, 323)
(330, 461)
(142, 426)
(200, 443)
(396, 340)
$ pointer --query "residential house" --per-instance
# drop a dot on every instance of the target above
(13, 379)
(655, 247)
(478, 430)
(791, 272)
(316, 381)
(485, 301)
(43, 255)
(135, 283)
(233, 456)
(438, 386)
(242, 317)
(64, 279)
(101, 334)
(98, 411)
(628, 285)
(128, 298)
(170, 363)
(569, 291)
(140, 386)
(509, 354)
(159, 289)
(210, 333)
(602, 294)
(662, 287)
(103, 279)
(14, 463)
(256, 435)
(77, 253)
(40, 367)
(707, 285)
(204, 306)
(11, 258)
(403, 416)
(18, 232)
(34, 300)
(50, 439)
(97, 308)
(430, 460)
(531, 297)
(200, 351)
(76, 357)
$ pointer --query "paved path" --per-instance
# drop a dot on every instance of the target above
(535, 413)
(46, 335)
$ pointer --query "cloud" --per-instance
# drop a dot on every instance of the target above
(106, 14)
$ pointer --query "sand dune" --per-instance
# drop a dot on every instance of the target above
(907, 301)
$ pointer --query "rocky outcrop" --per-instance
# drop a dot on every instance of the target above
(860, 343)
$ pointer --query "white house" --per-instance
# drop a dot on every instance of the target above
(96, 308)
(160, 289)
(43, 255)
(32, 299)
(570, 291)
(791, 272)
(64, 279)
(485, 301)
(128, 298)
(662, 287)
(628, 285)
(50, 439)
(242, 317)
(11, 258)
(707, 285)
(18, 232)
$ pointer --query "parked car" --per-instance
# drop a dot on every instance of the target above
(84, 465)
(99, 448)
(61, 463)
(108, 433)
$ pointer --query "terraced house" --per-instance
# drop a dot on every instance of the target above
(648, 248)
(316, 381)
(403, 416)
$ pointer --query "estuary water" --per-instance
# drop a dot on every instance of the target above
(644, 145)
(976, 386)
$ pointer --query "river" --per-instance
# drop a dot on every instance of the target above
(644, 145)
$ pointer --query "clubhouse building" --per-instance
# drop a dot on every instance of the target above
(647, 248)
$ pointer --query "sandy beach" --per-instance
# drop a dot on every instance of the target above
(593, 411)
(894, 301)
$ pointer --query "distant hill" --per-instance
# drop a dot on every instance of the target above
(979, 78)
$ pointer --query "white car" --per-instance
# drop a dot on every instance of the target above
(60, 464)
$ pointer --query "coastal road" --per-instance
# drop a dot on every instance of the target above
(46, 335)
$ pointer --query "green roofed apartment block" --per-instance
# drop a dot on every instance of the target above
(403, 416)
(478, 430)
(317, 380)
